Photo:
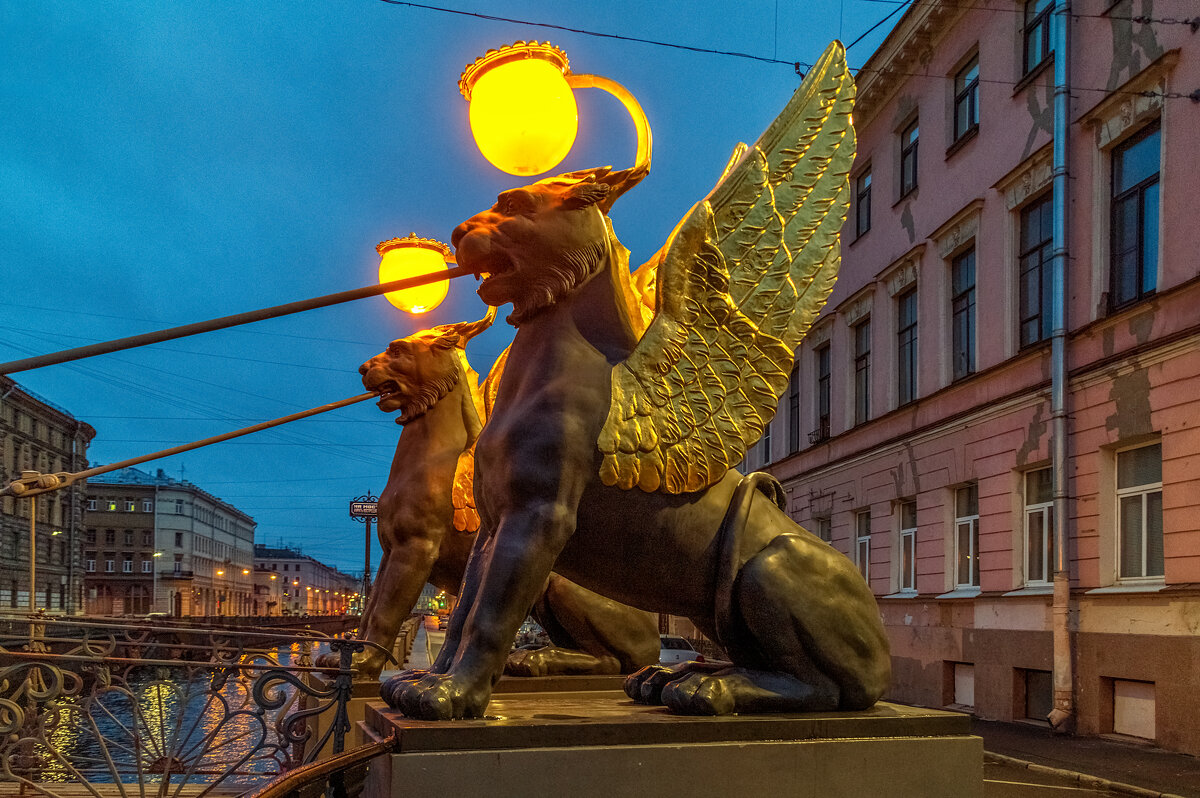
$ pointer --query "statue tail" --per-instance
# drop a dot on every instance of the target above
(729, 538)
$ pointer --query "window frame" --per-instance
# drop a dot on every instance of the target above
(907, 534)
(1137, 192)
(1142, 490)
(970, 522)
(967, 96)
(823, 528)
(862, 202)
(861, 333)
(909, 157)
(1044, 252)
(907, 341)
(962, 304)
(1040, 22)
(794, 408)
(1045, 510)
(862, 544)
(823, 364)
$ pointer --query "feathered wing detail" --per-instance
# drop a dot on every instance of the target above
(737, 286)
(462, 493)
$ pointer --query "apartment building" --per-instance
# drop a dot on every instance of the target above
(288, 582)
(918, 434)
(157, 544)
(37, 435)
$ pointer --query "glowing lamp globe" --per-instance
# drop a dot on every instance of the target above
(411, 256)
(523, 113)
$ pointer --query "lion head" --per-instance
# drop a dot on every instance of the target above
(539, 242)
(414, 373)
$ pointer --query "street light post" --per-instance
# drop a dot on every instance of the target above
(32, 554)
(363, 509)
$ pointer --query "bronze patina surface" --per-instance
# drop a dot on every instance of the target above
(608, 455)
(428, 522)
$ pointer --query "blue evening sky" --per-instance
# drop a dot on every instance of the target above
(166, 162)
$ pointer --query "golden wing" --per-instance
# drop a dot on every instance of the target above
(462, 493)
(738, 284)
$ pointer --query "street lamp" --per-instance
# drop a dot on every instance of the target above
(522, 109)
(412, 256)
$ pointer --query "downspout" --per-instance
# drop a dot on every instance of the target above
(1062, 716)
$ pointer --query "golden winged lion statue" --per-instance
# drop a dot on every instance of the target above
(609, 452)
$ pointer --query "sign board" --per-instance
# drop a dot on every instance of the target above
(364, 509)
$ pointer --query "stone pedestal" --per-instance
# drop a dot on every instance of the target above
(549, 741)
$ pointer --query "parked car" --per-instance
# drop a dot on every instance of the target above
(674, 650)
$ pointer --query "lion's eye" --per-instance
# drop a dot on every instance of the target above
(515, 202)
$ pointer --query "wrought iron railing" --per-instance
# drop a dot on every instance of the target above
(164, 710)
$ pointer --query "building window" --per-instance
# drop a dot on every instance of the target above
(110, 536)
(147, 505)
(147, 566)
(147, 538)
(128, 537)
(91, 566)
(1036, 33)
(862, 371)
(127, 565)
(794, 409)
(908, 546)
(909, 138)
(1139, 512)
(178, 563)
(823, 528)
(111, 505)
(1039, 526)
(1134, 271)
(862, 551)
(766, 449)
(109, 567)
(824, 384)
(1035, 287)
(966, 99)
(178, 540)
(91, 504)
(962, 312)
(862, 202)
(130, 506)
(90, 536)
(966, 535)
(906, 346)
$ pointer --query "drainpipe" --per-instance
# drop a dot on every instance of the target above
(1062, 716)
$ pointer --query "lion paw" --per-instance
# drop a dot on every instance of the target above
(527, 663)
(645, 685)
(436, 696)
(698, 694)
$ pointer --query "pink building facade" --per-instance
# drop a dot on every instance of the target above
(916, 435)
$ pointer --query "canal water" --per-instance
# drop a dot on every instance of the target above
(165, 723)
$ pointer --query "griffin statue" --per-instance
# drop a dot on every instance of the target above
(428, 523)
(608, 455)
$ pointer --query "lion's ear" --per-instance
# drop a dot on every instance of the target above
(584, 194)
(464, 331)
(620, 182)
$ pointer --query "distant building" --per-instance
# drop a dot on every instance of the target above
(917, 434)
(287, 582)
(36, 435)
(157, 544)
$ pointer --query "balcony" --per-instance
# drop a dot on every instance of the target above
(176, 574)
(821, 433)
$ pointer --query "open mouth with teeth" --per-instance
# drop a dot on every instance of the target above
(390, 399)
